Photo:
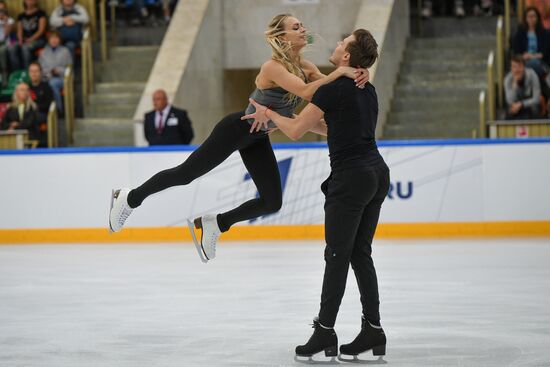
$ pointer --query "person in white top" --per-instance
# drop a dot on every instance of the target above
(70, 18)
(6, 27)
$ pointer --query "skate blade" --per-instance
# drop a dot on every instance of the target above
(310, 360)
(356, 360)
(110, 210)
(198, 246)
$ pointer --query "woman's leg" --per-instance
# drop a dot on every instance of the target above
(261, 164)
(223, 141)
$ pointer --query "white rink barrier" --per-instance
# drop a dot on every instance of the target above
(438, 188)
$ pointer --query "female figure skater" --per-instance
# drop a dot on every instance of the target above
(281, 83)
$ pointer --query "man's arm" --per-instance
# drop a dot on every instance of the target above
(186, 129)
(535, 96)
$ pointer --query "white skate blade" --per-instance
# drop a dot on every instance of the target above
(198, 246)
(310, 360)
(356, 360)
(110, 209)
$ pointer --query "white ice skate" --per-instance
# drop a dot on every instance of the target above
(210, 232)
(120, 210)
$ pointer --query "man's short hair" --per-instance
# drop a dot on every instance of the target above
(518, 58)
(54, 33)
(363, 50)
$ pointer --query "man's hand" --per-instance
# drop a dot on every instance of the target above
(515, 107)
(259, 116)
(68, 21)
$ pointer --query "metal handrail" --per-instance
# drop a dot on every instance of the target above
(482, 114)
(87, 67)
(68, 100)
(491, 100)
(500, 61)
(103, 28)
(52, 126)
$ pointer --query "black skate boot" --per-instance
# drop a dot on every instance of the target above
(370, 338)
(323, 339)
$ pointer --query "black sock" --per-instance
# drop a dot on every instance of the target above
(132, 200)
(221, 225)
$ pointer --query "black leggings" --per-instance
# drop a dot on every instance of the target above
(229, 135)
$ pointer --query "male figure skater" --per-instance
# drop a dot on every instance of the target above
(355, 190)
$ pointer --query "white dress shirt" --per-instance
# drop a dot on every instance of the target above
(165, 113)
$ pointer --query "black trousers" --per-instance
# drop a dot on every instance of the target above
(352, 207)
(229, 135)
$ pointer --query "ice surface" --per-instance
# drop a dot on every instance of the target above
(452, 303)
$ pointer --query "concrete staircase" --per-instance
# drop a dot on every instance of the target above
(119, 84)
(440, 79)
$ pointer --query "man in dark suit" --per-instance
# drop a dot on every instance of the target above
(166, 125)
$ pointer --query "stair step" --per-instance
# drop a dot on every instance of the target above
(110, 110)
(440, 78)
(422, 132)
(406, 91)
(120, 87)
(437, 103)
(104, 132)
(434, 66)
(453, 42)
(115, 98)
(134, 51)
(439, 117)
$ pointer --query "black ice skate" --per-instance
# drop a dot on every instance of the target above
(323, 339)
(370, 338)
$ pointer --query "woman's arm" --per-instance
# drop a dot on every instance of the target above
(19, 32)
(320, 128)
(275, 72)
(293, 128)
(42, 22)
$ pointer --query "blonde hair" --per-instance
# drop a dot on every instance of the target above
(281, 50)
(29, 103)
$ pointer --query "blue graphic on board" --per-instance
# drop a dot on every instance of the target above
(284, 169)
(397, 190)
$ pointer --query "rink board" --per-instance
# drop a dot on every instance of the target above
(438, 189)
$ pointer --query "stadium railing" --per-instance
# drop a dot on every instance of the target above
(52, 127)
(68, 101)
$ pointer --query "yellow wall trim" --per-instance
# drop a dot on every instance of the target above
(298, 232)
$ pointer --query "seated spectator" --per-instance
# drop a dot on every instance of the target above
(522, 90)
(532, 42)
(22, 113)
(140, 12)
(483, 7)
(70, 19)
(54, 60)
(166, 125)
(543, 6)
(31, 31)
(427, 8)
(42, 95)
(6, 26)
(168, 7)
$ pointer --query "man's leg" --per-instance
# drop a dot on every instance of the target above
(348, 193)
(361, 259)
(56, 83)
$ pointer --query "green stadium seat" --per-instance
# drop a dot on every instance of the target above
(15, 78)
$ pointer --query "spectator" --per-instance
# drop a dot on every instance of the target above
(140, 12)
(22, 113)
(522, 90)
(31, 31)
(543, 6)
(54, 60)
(70, 19)
(532, 42)
(166, 125)
(6, 26)
(483, 7)
(427, 8)
(41, 92)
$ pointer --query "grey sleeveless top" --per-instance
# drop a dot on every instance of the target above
(274, 98)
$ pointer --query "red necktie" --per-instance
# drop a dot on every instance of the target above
(160, 127)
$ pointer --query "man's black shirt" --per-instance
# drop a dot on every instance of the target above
(350, 114)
